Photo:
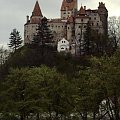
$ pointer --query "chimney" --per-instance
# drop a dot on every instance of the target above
(27, 18)
(84, 7)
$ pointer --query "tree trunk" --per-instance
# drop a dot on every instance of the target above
(38, 116)
(22, 117)
(94, 115)
(111, 112)
(49, 108)
(116, 106)
(85, 115)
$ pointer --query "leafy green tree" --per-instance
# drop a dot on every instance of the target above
(108, 70)
(111, 77)
(15, 40)
(52, 88)
(88, 94)
(37, 91)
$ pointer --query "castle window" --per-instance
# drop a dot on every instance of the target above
(68, 28)
(97, 24)
(85, 26)
(90, 18)
(64, 13)
(79, 26)
(52, 26)
(94, 18)
(81, 20)
(92, 24)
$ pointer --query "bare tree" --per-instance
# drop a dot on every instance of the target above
(114, 31)
(4, 53)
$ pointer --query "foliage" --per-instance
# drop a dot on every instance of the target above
(35, 90)
(56, 86)
(15, 40)
(44, 35)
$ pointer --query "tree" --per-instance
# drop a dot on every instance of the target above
(108, 70)
(114, 31)
(87, 41)
(15, 40)
(4, 53)
(35, 91)
(44, 35)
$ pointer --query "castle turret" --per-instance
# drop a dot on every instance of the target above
(103, 13)
(82, 11)
(68, 8)
(36, 14)
(32, 24)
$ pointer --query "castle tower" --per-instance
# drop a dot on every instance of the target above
(103, 13)
(68, 8)
(36, 14)
(32, 24)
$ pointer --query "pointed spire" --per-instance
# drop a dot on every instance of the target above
(82, 10)
(37, 10)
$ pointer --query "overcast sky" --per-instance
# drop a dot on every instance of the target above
(13, 13)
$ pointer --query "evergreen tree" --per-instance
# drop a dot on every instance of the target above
(15, 40)
(44, 35)
(87, 42)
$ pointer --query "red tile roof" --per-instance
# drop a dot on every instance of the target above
(69, 5)
(82, 11)
(37, 10)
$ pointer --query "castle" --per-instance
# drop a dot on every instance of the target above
(71, 25)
